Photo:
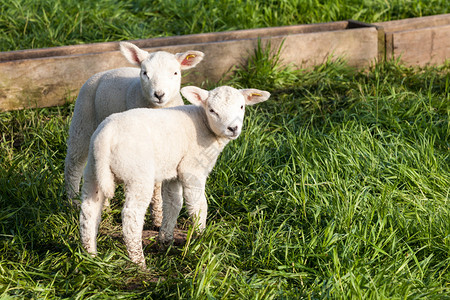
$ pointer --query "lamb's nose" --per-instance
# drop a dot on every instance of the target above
(159, 94)
(232, 129)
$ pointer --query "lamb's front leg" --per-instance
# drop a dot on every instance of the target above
(172, 202)
(196, 204)
(137, 200)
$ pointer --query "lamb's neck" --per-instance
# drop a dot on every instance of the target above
(216, 141)
(206, 158)
(175, 101)
(222, 142)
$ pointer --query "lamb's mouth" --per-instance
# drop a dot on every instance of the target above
(158, 102)
(233, 136)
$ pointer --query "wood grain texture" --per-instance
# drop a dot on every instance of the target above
(422, 46)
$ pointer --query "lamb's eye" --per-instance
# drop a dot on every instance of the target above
(144, 73)
(176, 73)
(212, 111)
(242, 106)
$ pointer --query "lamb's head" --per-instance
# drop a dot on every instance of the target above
(160, 71)
(224, 107)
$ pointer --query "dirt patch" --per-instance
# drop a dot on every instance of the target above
(150, 238)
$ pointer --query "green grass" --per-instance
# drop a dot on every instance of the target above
(26, 24)
(338, 187)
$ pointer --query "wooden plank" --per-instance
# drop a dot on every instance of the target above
(49, 81)
(381, 36)
(418, 41)
(175, 40)
(422, 46)
(415, 23)
(359, 47)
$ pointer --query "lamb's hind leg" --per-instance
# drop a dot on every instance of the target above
(81, 129)
(137, 198)
(91, 211)
(76, 157)
(80, 133)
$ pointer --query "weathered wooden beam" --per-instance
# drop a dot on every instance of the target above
(381, 36)
(420, 47)
(174, 40)
(51, 80)
(418, 41)
(51, 76)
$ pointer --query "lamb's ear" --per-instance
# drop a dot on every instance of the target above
(189, 59)
(133, 54)
(253, 96)
(195, 95)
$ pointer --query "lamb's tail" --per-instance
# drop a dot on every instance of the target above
(102, 142)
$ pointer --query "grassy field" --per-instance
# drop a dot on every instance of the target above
(339, 186)
(26, 24)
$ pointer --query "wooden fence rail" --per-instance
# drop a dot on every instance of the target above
(51, 76)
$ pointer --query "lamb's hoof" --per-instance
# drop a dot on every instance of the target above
(140, 261)
(142, 266)
(165, 244)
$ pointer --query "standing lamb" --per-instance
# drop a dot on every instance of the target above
(155, 85)
(177, 145)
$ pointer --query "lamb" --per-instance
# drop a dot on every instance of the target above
(177, 146)
(155, 85)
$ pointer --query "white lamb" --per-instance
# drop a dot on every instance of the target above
(177, 145)
(156, 85)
